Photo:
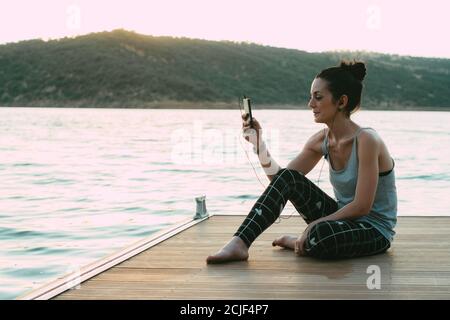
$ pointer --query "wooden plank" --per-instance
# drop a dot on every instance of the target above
(416, 267)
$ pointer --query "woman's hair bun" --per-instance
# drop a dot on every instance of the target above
(356, 68)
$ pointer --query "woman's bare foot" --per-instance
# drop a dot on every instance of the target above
(285, 241)
(235, 250)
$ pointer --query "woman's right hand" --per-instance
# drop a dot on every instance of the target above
(253, 132)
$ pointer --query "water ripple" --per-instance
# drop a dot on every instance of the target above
(12, 233)
(47, 251)
(55, 181)
(32, 273)
(427, 177)
(29, 164)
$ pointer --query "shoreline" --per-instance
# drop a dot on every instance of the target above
(221, 106)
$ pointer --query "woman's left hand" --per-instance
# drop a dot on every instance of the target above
(300, 242)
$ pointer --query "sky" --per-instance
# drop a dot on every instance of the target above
(405, 27)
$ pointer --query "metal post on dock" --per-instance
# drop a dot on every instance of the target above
(201, 211)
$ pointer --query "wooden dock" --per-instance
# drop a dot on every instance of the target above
(417, 266)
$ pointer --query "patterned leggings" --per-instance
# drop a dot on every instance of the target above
(327, 239)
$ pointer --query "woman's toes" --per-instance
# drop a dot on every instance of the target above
(278, 241)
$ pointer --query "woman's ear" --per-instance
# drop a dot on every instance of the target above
(342, 102)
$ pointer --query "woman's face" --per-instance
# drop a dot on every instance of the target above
(321, 101)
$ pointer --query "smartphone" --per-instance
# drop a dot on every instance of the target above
(248, 107)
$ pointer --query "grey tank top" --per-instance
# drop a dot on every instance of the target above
(383, 214)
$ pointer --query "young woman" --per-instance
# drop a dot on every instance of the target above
(361, 220)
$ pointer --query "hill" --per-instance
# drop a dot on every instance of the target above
(126, 69)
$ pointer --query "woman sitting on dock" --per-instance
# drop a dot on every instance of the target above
(362, 220)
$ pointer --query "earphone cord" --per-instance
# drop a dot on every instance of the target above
(257, 176)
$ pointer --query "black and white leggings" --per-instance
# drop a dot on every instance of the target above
(327, 239)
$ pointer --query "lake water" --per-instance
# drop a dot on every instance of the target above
(79, 184)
